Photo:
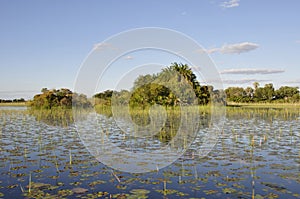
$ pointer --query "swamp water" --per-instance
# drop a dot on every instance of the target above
(257, 156)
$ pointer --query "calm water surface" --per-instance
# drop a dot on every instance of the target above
(257, 156)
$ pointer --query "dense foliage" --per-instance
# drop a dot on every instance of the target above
(58, 98)
(13, 100)
(176, 84)
(263, 94)
(103, 98)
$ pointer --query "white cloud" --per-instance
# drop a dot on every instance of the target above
(238, 48)
(201, 51)
(296, 81)
(243, 81)
(213, 50)
(230, 4)
(103, 46)
(197, 68)
(14, 94)
(251, 71)
(234, 48)
(128, 57)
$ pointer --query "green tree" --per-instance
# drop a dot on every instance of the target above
(58, 98)
(185, 73)
(44, 90)
(256, 85)
(287, 94)
(142, 80)
(173, 85)
(266, 93)
(235, 94)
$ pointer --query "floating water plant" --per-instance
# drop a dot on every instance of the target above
(33, 153)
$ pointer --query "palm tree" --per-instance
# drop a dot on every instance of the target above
(256, 85)
(185, 71)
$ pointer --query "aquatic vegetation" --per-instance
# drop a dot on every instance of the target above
(55, 116)
(257, 155)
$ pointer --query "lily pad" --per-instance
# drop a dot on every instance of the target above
(39, 185)
(228, 190)
(92, 184)
(275, 186)
(167, 191)
(139, 191)
(209, 192)
(120, 196)
(79, 190)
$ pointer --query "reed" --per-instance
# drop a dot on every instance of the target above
(56, 116)
(14, 104)
(265, 105)
(29, 183)
(70, 157)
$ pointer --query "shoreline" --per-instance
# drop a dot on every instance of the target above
(263, 105)
(229, 104)
(13, 104)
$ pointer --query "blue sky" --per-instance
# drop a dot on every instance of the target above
(43, 43)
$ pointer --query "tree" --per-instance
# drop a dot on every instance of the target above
(173, 85)
(58, 98)
(256, 85)
(122, 97)
(150, 94)
(249, 92)
(269, 91)
(186, 73)
(235, 94)
(266, 93)
(142, 80)
(103, 97)
(44, 90)
(263, 94)
(287, 93)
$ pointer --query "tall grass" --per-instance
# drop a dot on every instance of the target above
(13, 104)
(63, 117)
(265, 105)
(166, 120)
(56, 116)
(263, 112)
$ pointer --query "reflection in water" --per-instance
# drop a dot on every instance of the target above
(132, 142)
(20, 108)
(158, 124)
(54, 117)
(257, 156)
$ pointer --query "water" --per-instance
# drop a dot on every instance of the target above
(13, 108)
(257, 155)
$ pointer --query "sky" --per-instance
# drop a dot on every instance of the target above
(44, 43)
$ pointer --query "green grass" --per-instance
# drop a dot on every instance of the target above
(13, 104)
(56, 116)
(265, 105)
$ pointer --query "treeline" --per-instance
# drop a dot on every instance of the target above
(13, 100)
(268, 93)
(174, 85)
(63, 97)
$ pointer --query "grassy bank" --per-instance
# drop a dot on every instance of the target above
(264, 105)
(13, 104)
(56, 116)
(233, 104)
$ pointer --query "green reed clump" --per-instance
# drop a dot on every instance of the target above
(55, 116)
(103, 110)
(265, 113)
(169, 120)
